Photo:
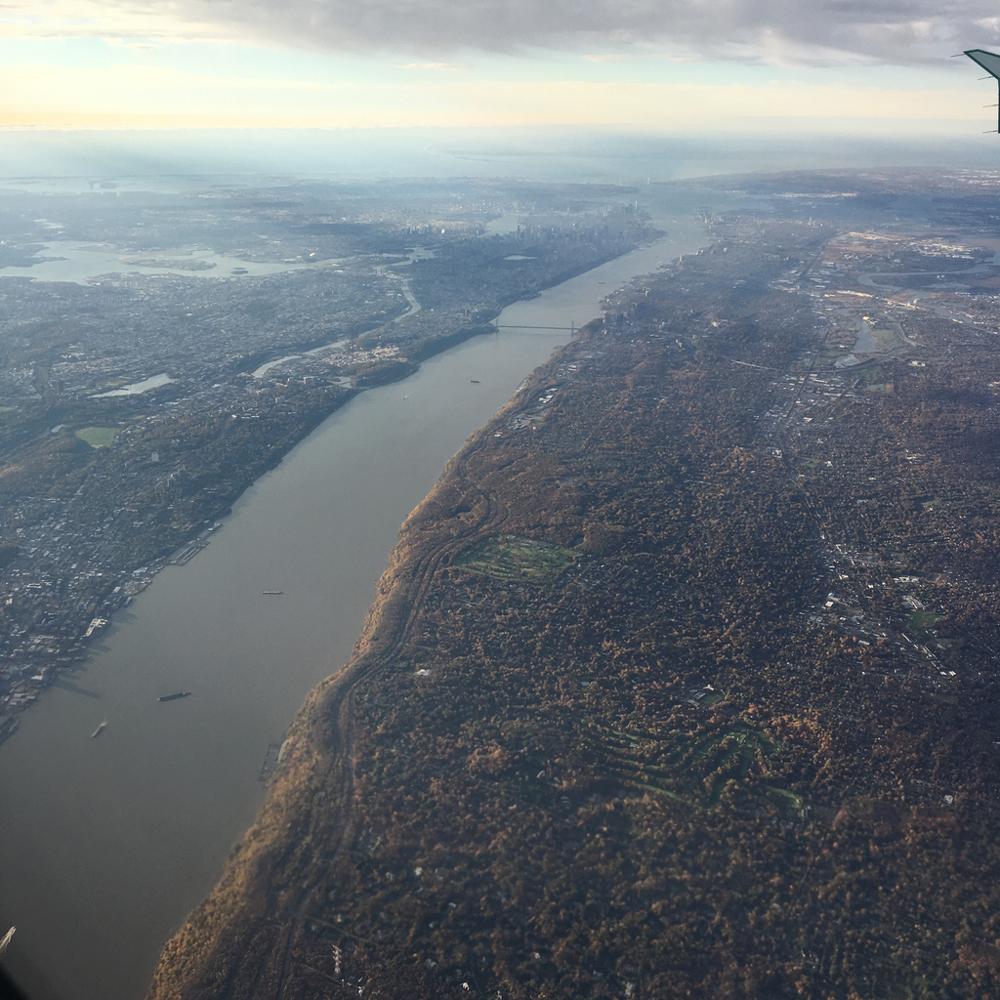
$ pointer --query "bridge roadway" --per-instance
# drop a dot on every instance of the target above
(519, 326)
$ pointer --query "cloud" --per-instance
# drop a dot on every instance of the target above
(142, 22)
(771, 31)
(430, 67)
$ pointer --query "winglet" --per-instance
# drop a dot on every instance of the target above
(990, 62)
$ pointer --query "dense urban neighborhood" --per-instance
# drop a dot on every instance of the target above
(136, 405)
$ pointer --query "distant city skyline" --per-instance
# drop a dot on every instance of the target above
(102, 64)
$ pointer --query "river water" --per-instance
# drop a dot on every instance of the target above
(109, 842)
(137, 388)
(71, 260)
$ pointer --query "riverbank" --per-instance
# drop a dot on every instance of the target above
(272, 871)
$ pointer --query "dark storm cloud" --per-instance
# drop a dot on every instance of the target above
(772, 30)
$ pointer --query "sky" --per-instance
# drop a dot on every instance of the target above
(662, 65)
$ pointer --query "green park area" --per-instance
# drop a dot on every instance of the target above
(515, 559)
(921, 622)
(97, 437)
(697, 770)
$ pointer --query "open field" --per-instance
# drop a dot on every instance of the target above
(97, 437)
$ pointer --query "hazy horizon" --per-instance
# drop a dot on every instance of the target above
(609, 155)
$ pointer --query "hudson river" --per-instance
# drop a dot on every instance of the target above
(109, 842)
